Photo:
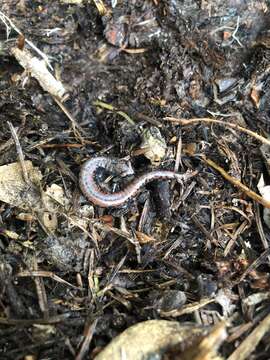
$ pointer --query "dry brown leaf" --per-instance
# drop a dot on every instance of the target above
(14, 190)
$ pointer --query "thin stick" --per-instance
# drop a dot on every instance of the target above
(186, 122)
(38, 70)
(178, 159)
(6, 19)
(46, 274)
(88, 335)
(77, 129)
(20, 152)
(41, 292)
(254, 196)
(250, 343)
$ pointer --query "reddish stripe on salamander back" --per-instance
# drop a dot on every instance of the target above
(94, 193)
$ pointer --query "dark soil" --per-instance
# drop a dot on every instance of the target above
(171, 245)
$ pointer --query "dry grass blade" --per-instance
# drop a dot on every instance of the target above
(20, 152)
(27, 322)
(188, 309)
(48, 274)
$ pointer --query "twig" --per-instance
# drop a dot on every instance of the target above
(251, 194)
(218, 113)
(38, 70)
(225, 27)
(135, 51)
(19, 152)
(245, 225)
(204, 230)
(89, 332)
(9, 24)
(178, 160)
(27, 322)
(187, 309)
(41, 292)
(234, 34)
(260, 228)
(185, 122)
(75, 125)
